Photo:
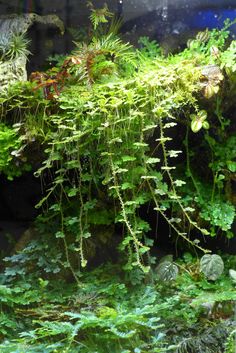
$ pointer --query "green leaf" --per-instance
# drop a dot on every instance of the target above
(60, 234)
(174, 154)
(167, 271)
(72, 192)
(196, 125)
(128, 158)
(140, 144)
(231, 166)
(179, 182)
(127, 185)
(152, 160)
(212, 266)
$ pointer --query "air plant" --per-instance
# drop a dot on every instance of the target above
(14, 47)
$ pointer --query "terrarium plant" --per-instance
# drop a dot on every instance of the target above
(14, 48)
(98, 121)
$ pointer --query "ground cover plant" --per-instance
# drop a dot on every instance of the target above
(119, 131)
(106, 312)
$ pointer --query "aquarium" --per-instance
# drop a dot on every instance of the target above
(117, 176)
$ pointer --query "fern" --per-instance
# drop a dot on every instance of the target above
(99, 16)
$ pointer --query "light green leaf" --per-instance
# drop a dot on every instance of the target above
(60, 234)
(126, 186)
(152, 160)
(128, 158)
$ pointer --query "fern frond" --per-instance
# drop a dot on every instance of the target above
(115, 47)
(115, 25)
(99, 16)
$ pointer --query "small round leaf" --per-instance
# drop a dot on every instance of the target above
(196, 125)
(205, 125)
(202, 115)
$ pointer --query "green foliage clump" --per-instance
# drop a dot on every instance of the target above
(105, 312)
(106, 132)
(231, 342)
(150, 49)
(12, 162)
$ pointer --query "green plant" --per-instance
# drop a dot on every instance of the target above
(112, 114)
(104, 312)
(150, 49)
(228, 58)
(211, 194)
(212, 266)
(97, 134)
(99, 315)
(166, 270)
(97, 146)
(15, 48)
(99, 16)
(231, 343)
(12, 160)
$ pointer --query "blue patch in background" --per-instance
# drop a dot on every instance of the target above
(210, 18)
